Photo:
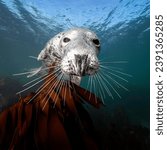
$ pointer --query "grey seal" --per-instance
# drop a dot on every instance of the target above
(75, 51)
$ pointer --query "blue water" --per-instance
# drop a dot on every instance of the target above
(123, 27)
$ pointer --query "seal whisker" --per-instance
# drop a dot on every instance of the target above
(51, 87)
(33, 57)
(105, 86)
(33, 80)
(100, 90)
(116, 68)
(39, 78)
(114, 62)
(49, 80)
(100, 85)
(58, 90)
(55, 98)
(123, 73)
(29, 87)
(94, 85)
(73, 88)
(42, 87)
(103, 69)
(65, 92)
(30, 72)
(87, 85)
(24, 73)
(49, 91)
(91, 88)
(110, 86)
(120, 72)
(116, 82)
(35, 84)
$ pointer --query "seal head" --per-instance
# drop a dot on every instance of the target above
(75, 50)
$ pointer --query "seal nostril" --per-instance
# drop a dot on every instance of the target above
(79, 61)
(85, 57)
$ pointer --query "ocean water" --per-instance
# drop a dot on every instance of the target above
(123, 27)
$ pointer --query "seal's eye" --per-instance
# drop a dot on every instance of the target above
(65, 40)
(96, 42)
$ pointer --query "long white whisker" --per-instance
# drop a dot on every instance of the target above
(58, 90)
(91, 88)
(106, 88)
(50, 90)
(111, 86)
(116, 71)
(47, 83)
(23, 73)
(87, 85)
(65, 93)
(60, 87)
(122, 73)
(42, 87)
(101, 95)
(94, 82)
(116, 68)
(72, 86)
(114, 74)
(29, 72)
(114, 62)
(33, 57)
(34, 80)
(119, 84)
(40, 78)
(33, 84)
(100, 84)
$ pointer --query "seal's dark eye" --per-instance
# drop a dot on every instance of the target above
(96, 42)
(66, 40)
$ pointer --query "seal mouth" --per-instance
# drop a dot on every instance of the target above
(80, 72)
(80, 65)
